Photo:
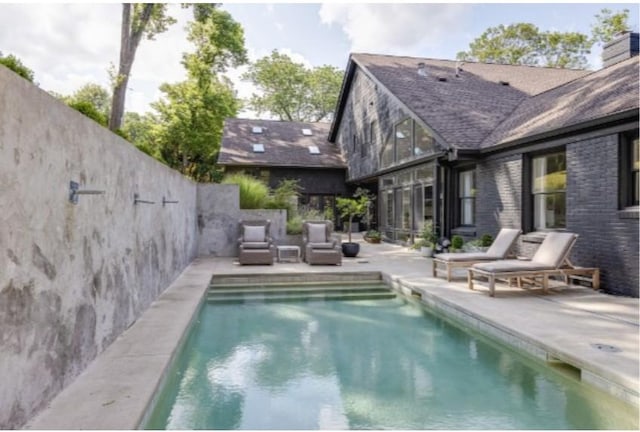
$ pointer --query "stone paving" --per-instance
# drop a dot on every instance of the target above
(574, 325)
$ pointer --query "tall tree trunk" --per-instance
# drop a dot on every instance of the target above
(132, 29)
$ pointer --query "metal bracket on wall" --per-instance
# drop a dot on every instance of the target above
(136, 200)
(165, 201)
(74, 192)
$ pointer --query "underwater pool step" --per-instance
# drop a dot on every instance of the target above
(293, 289)
(310, 296)
(275, 284)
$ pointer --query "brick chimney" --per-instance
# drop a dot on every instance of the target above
(624, 46)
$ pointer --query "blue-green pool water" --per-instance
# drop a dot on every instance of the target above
(366, 364)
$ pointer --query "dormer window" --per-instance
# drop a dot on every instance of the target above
(307, 132)
(258, 148)
(314, 150)
(256, 130)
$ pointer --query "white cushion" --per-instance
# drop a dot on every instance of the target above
(321, 245)
(253, 233)
(507, 266)
(255, 245)
(467, 256)
(554, 248)
(503, 242)
(317, 233)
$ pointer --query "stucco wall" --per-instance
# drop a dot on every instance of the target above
(73, 277)
(218, 217)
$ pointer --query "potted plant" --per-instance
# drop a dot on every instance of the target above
(350, 208)
(372, 236)
(427, 240)
(456, 243)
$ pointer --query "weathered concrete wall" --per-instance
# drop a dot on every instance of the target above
(73, 277)
(218, 216)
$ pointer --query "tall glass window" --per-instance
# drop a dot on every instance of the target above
(549, 191)
(635, 169)
(424, 141)
(467, 197)
(404, 138)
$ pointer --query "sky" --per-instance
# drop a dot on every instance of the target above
(71, 44)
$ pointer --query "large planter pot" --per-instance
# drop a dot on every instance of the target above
(350, 250)
(426, 251)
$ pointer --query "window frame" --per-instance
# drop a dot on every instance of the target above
(460, 199)
(529, 195)
(628, 188)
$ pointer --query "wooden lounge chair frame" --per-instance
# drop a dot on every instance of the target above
(449, 265)
(539, 277)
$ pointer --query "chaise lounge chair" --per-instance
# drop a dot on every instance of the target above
(551, 259)
(499, 249)
(255, 245)
(320, 247)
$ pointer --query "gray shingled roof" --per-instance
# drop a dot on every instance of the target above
(463, 110)
(284, 144)
(603, 93)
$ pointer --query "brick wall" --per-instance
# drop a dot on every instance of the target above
(608, 239)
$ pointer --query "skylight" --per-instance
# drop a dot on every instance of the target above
(258, 148)
(314, 150)
(307, 132)
(256, 130)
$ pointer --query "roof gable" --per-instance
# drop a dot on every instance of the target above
(600, 94)
(285, 144)
(463, 108)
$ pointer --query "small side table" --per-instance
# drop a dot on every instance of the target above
(288, 252)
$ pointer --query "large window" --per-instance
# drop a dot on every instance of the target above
(407, 141)
(549, 184)
(629, 169)
(467, 197)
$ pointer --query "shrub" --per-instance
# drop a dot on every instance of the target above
(294, 224)
(486, 240)
(253, 192)
(88, 109)
(428, 235)
(284, 196)
(12, 62)
(457, 242)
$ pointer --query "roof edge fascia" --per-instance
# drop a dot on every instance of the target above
(585, 126)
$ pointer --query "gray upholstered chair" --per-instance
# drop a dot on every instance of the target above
(255, 245)
(320, 245)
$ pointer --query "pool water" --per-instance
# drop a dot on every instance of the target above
(370, 363)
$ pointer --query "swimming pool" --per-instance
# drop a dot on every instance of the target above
(353, 358)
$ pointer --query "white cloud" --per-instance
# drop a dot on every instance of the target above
(394, 28)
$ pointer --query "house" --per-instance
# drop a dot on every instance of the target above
(475, 147)
(278, 150)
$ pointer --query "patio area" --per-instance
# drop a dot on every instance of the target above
(593, 332)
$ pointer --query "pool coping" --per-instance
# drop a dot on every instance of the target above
(117, 390)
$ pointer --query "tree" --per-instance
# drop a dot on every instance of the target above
(190, 125)
(512, 44)
(15, 64)
(292, 92)
(88, 109)
(139, 19)
(139, 129)
(525, 44)
(191, 115)
(96, 95)
(608, 24)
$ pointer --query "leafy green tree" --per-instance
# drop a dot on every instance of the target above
(292, 92)
(95, 94)
(191, 114)
(190, 125)
(564, 50)
(512, 44)
(15, 64)
(88, 109)
(608, 24)
(139, 129)
(138, 19)
(525, 44)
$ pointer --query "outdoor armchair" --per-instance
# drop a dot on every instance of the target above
(498, 250)
(320, 245)
(255, 245)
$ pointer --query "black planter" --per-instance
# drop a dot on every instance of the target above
(350, 250)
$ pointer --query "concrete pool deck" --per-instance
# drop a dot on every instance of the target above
(565, 325)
